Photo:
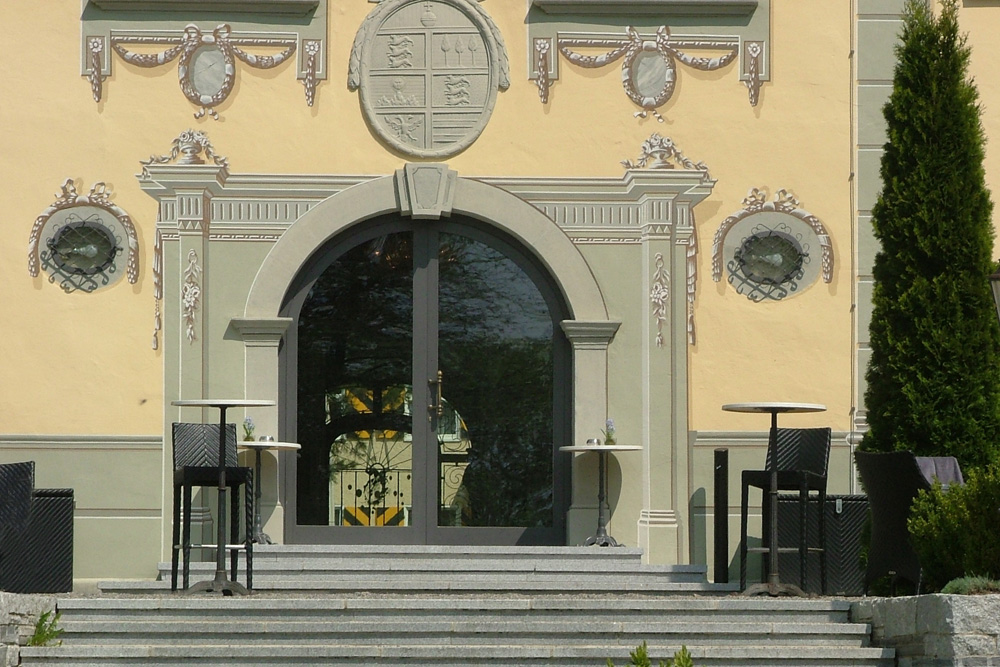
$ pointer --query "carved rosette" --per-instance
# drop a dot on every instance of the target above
(428, 73)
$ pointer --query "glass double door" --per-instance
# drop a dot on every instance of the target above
(425, 398)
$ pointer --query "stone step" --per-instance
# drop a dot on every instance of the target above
(272, 629)
(446, 655)
(464, 569)
(423, 585)
(266, 564)
(271, 558)
(474, 631)
(467, 553)
(269, 606)
(451, 606)
(347, 567)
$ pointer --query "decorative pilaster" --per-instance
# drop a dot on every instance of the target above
(669, 269)
(261, 338)
(190, 305)
(590, 341)
(185, 180)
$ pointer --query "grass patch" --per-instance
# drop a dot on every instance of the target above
(46, 633)
(640, 658)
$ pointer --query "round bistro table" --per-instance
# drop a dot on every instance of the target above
(258, 446)
(601, 539)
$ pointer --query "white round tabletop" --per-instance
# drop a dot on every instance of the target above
(268, 444)
(600, 448)
(223, 403)
(773, 406)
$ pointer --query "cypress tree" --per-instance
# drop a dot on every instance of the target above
(934, 374)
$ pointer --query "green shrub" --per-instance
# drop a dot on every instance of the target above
(934, 374)
(971, 586)
(956, 532)
(640, 658)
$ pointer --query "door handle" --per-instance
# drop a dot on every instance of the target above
(436, 409)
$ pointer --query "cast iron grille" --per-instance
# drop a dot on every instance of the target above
(81, 254)
(768, 265)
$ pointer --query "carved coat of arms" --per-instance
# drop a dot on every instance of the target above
(428, 72)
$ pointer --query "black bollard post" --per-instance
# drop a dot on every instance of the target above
(721, 516)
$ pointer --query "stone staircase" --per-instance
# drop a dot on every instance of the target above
(450, 606)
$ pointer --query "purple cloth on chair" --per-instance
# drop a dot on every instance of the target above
(943, 468)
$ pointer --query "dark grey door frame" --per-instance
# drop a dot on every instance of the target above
(425, 362)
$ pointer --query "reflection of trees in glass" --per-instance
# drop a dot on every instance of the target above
(508, 480)
(496, 352)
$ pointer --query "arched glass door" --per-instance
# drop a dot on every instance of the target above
(429, 391)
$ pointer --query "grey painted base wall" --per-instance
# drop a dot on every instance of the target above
(935, 630)
(118, 484)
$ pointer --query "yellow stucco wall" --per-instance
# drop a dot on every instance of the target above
(981, 20)
(82, 364)
(797, 138)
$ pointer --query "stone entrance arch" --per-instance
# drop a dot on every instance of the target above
(429, 191)
(229, 246)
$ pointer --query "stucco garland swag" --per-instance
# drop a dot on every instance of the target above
(191, 295)
(191, 42)
(631, 47)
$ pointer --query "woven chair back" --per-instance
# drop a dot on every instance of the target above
(197, 445)
(801, 449)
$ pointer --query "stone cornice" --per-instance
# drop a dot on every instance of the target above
(262, 331)
(648, 7)
(618, 206)
(585, 335)
(294, 7)
(76, 441)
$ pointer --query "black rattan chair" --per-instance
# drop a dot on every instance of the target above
(891, 481)
(36, 533)
(801, 460)
(196, 463)
(17, 481)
